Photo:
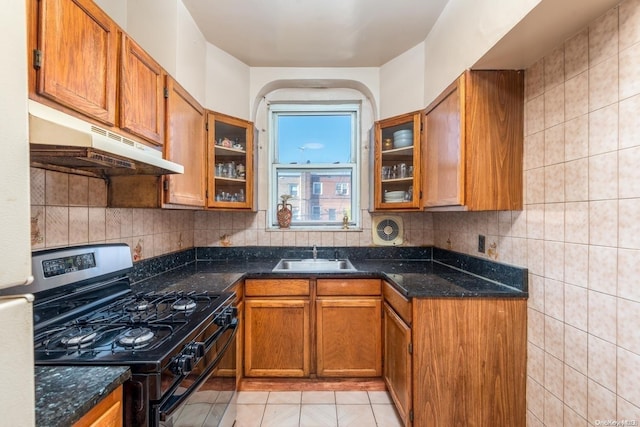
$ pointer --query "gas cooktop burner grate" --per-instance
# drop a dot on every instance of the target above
(184, 304)
(135, 337)
(78, 338)
(139, 305)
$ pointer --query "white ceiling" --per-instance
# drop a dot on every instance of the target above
(315, 33)
(369, 33)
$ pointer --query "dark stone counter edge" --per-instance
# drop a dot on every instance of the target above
(511, 281)
(52, 381)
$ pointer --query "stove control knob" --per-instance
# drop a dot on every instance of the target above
(195, 349)
(183, 364)
(223, 319)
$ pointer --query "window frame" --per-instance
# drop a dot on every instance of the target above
(352, 108)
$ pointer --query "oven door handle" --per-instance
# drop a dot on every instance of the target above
(171, 403)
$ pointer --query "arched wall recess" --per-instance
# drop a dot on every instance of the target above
(313, 84)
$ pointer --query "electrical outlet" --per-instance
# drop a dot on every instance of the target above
(481, 243)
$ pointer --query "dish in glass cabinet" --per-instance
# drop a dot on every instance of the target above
(402, 142)
(405, 133)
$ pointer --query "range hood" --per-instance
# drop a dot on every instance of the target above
(61, 140)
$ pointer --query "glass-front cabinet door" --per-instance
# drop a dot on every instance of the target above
(397, 163)
(230, 162)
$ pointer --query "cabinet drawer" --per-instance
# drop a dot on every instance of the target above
(349, 287)
(276, 287)
(398, 302)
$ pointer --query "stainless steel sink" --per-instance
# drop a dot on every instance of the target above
(311, 265)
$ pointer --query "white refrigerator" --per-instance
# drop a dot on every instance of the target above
(17, 395)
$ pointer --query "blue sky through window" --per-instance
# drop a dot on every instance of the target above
(322, 138)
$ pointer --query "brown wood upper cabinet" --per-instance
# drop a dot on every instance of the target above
(142, 102)
(397, 163)
(474, 143)
(230, 156)
(76, 56)
(186, 145)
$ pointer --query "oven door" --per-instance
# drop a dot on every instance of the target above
(205, 393)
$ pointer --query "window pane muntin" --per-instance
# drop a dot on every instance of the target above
(314, 209)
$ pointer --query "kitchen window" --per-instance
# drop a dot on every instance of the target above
(342, 189)
(314, 149)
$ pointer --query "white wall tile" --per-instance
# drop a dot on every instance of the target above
(602, 269)
(628, 277)
(576, 137)
(629, 172)
(603, 176)
(576, 307)
(602, 366)
(629, 225)
(576, 352)
(603, 37)
(629, 16)
(629, 376)
(602, 316)
(602, 78)
(603, 130)
(629, 111)
(576, 54)
(629, 71)
(576, 96)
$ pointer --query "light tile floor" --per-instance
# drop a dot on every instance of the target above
(315, 409)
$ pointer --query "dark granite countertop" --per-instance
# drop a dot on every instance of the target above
(451, 275)
(429, 279)
(65, 393)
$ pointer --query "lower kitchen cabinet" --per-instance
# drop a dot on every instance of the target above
(107, 413)
(277, 339)
(349, 328)
(397, 362)
(349, 338)
(469, 361)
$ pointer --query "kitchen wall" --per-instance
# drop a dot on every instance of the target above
(69, 210)
(404, 75)
(579, 234)
(464, 32)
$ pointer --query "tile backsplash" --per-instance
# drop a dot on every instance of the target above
(69, 210)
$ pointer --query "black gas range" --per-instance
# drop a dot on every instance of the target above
(85, 313)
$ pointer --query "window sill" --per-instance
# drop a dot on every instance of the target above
(318, 229)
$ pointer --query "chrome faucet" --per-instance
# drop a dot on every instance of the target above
(315, 252)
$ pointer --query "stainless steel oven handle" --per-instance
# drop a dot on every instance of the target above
(169, 403)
